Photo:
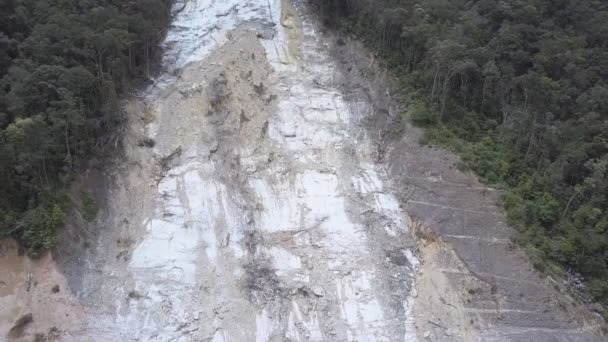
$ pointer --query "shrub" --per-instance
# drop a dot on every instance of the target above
(88, 208)
(40, 225)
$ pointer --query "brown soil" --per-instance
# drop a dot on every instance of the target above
(29, 306)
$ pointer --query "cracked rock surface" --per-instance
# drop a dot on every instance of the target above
(259, 213)
(261, 195)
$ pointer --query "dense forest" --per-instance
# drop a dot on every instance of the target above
(63, 66)
(519, 88)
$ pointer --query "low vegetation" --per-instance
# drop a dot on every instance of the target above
(519, 89)
(63, 66)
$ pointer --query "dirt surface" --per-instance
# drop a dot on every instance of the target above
(440, 303)
(35, 301)
(267, 191)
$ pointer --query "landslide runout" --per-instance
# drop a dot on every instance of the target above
(251, 203)
(259, 212)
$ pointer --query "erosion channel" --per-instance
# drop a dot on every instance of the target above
(257, 198)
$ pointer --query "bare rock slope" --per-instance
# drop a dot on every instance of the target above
(259, 213)
(266, 192)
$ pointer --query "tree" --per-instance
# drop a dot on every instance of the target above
(63, 65)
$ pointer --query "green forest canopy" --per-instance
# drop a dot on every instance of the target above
(63, 66)
(520, 88)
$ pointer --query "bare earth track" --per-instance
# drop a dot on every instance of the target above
(265, 193)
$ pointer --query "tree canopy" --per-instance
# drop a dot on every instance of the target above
(63, 64)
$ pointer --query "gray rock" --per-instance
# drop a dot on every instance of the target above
(596, 307)
(318, 291)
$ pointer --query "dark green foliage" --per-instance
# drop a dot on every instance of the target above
(40, 225)
(63, 65)
(88, 208)
(520, 90)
